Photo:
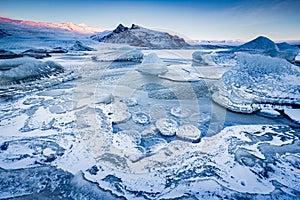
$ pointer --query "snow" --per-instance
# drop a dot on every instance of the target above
(141, 37)
(152, 65)
(265, 46)
(258, 82)
(78, 28)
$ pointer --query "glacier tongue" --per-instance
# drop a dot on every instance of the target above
(258, 82)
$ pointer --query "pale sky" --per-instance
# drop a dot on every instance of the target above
(195, 19)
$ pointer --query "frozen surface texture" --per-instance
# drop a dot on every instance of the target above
(258, 82)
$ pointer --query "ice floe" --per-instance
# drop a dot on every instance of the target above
(152, 65)
(167, 127)
(258, 82)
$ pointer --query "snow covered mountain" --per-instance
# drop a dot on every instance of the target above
(265, 46)
(77, 28)
(141, 37)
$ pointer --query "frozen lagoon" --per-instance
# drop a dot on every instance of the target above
(101, 127)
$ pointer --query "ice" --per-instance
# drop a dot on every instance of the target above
(180, 112)
(121, 54)
(258, 82)
(202, 58)
(167, 127)
(78, 46)
(189, 133)
(152, 65)
(293, 114)
(141, 118)
(181, 73)
(21, 69)
(288, 51)
(118, 112)
(128, 142)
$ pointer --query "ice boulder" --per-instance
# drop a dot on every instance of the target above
(23, 69)
(258, 82)
(166, 126)
(78, 46)
(202, 58)
(287, 51)
(152, 65)
(189, 132)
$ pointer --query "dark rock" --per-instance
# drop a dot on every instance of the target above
(141, 37)
(120, 29)
(58, 50)
(93, 170)
(36, 53)
(4, 54)
(4, 146)
(4, 34)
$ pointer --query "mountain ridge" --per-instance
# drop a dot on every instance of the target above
(69, 26)
(142, 37)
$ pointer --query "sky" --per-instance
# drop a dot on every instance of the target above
(193, 19)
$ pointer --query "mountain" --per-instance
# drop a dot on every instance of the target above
(265, 46)
(141, 37)
(76, 28)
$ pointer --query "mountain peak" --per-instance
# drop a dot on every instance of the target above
(141, 37)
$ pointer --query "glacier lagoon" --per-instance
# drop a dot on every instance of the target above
(103, 129)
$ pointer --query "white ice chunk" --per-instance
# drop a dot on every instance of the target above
(152, 65)
(202, 58)
(167, 127)
(188, 132)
